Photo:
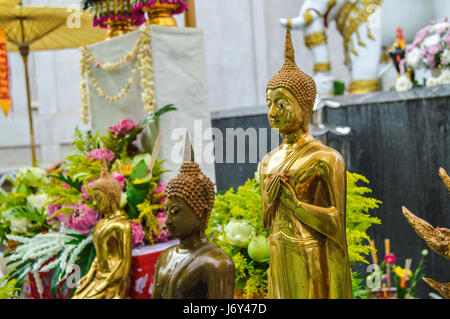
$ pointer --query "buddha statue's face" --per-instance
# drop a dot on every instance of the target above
(181, 219)
(101, 201)
(284, 112)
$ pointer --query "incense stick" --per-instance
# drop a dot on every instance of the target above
(155, 152)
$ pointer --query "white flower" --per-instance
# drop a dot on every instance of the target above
(424, 252)
(444, 78)
(431, 40)
(37, 201)
(413, 57)
(403, 84)
(446, 55)
(19, 224)
(432, 81)
(438, 26)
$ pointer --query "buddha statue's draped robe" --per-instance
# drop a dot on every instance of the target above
(308, 251)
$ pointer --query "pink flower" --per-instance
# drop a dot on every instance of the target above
(65, 186)
(389, 259)
(82, 218)
(119, 177)
(163, 231)
(122, 127)
(100, 154)
(160, 189)
(137, 234)
(51, 209)
(84, 190)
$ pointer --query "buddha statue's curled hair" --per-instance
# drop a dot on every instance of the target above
(291, 78)
(195, 189)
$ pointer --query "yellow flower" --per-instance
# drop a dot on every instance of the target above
(126, 169)
(400, 272)
(139, 181)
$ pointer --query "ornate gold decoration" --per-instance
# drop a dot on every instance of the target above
(115, 27)
(349, 18)
(363, 86)
(161, 14)
(195, 268)
(303, 196)
(108, 276)
(322, 67)
(438, 239)
(144, 65)
(308, 17)
(315, 39)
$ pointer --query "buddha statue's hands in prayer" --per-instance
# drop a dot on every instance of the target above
(272, 188)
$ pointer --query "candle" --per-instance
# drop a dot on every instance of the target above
(387, 246)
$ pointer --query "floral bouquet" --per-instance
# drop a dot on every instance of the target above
(430, 53)
(69, 215)
(405, 280)
(105, 10)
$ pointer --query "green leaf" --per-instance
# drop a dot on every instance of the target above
(139, 171)
(28, 213)
(136, 194)
(55, 280)
(75, 183)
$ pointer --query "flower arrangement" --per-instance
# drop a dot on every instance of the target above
(430, 51)
(379, 282)
(110, 10)
(22, 210)
(68, 212)
(236, 226)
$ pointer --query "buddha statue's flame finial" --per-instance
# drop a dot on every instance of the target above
(288, 47)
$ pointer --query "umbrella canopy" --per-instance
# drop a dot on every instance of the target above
(48, 28)
(7, 4)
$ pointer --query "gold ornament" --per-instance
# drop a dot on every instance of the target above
(315, 39)
(438, 239)
(363, 86)
(308, 17)
(161, 13)
(349, 18)
(108, 276)
(322, 67)
(115, 27)
(303, 190)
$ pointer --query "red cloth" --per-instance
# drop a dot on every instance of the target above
(141, 275)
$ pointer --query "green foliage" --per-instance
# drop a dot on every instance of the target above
(358, 217)
(38, 217)
(8, 288)
(245, 204)
(148, 219)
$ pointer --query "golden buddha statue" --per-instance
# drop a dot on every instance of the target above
(303, 196)
(195, 268)
(108, 276)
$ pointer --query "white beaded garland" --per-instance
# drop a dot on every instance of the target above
(144, 65)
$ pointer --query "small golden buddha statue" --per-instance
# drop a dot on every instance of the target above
(303, 196)
(195, 268)
(108, 276)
